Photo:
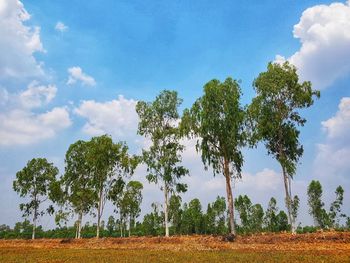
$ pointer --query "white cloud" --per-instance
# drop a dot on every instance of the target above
(117, 117)
(332, 157)
(77, 74)
(339, 125)
(61, 27)
(324, 33)
(20, 127)
(37, 95)
(18, 42)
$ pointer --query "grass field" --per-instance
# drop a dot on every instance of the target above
(321, 247)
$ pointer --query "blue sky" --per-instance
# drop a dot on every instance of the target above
(70, 71)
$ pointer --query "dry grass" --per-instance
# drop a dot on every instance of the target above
(317, 247)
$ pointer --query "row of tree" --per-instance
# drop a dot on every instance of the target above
(95, 171)
(190, 218)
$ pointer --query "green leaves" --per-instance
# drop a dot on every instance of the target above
(36, 181)
(159, 122)
(273, 113)
(218, 119)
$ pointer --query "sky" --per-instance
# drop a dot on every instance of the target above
(70, 71)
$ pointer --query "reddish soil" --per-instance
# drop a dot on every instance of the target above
(322, 242)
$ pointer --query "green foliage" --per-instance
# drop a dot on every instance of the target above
(314, 192)
(275, 220)
(335, 209)
(158, 122)
(217, 120)
(35, 182)
(274, 118)
(251, 216)
(109, 162)
(175, 212)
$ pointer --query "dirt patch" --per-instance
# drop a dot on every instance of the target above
(322, 242)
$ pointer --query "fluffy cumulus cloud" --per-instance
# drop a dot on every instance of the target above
(19, 125)
(116, 117)
(333, 155)
(324, 34)
(37, 95)
(76, 74)
(61, 27)
(18, 42)
(339, 125)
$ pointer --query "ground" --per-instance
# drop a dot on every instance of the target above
(316, 247)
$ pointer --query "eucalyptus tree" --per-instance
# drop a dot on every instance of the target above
(316, 206)
(77, 181)
(335, 208)
(35, 182)
(109, 162)
(159, 123)
(217, 120)
(175, 212)
(275, 118)
(132, 201)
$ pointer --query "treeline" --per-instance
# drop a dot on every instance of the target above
(191, 218)
(99, 171)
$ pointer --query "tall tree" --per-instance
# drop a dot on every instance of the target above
(275, 118)
(271, 220)
(109, 163)
(35, 182)
(77, 181)
(335, 209)
(175, 212)
(314, 192)
(159, 123)
(132, 201)
(217, 120)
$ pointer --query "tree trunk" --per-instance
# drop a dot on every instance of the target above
(34, 224)
(229, 197)
(99, 215)
(129, 226)
(80, 220)
(166, 210)
(121, 225)
(287, 188)
(76, 229)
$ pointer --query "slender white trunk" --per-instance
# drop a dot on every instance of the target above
(34, 224)
(229, 197)
(287, 188)
(129, 226)
(80, 224)
(166, 210)
(99, 210)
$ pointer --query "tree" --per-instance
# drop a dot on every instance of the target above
(132, 201)
(257, 218)
(275, 118)
(111, 225)
(314, 192)
(219, 210)
(209, 221)
(159, 123)
(335, 209)
(251, 215)
(282, 221)
(77, 181)
(175, 212)
(196, 216)
(35, 182)
(217, 120)
(271, 220)
(295, 207)
(109, 163)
